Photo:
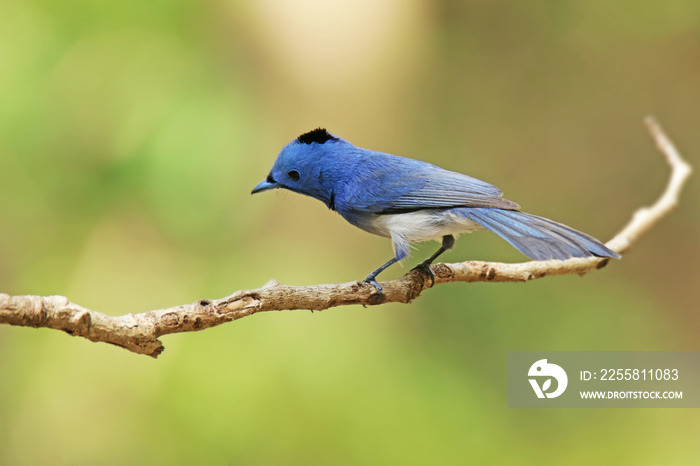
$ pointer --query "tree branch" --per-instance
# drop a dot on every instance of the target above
(140, 333)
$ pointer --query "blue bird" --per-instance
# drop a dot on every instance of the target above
(409, 201)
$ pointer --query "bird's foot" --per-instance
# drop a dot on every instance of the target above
(424, 267)
(380, 291)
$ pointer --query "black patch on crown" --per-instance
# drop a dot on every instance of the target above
(319, 135)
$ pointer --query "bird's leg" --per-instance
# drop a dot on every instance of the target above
(371, 278)
(447, 242)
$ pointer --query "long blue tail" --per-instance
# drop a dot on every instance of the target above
(537, 237)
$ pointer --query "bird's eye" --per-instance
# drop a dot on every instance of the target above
(294, 175)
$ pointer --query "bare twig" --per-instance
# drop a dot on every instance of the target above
(140, 332)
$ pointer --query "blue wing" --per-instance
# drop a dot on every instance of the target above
(388, 184)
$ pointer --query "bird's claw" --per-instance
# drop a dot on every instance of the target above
(377, 286)
(425, 268)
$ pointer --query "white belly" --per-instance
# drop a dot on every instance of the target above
(422, 225)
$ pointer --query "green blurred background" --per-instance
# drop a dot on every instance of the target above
(131, 134)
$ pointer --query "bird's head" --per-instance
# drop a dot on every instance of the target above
(301, 165)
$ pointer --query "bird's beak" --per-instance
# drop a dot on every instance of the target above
(264, 185)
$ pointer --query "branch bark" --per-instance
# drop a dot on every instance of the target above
(140, 333)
